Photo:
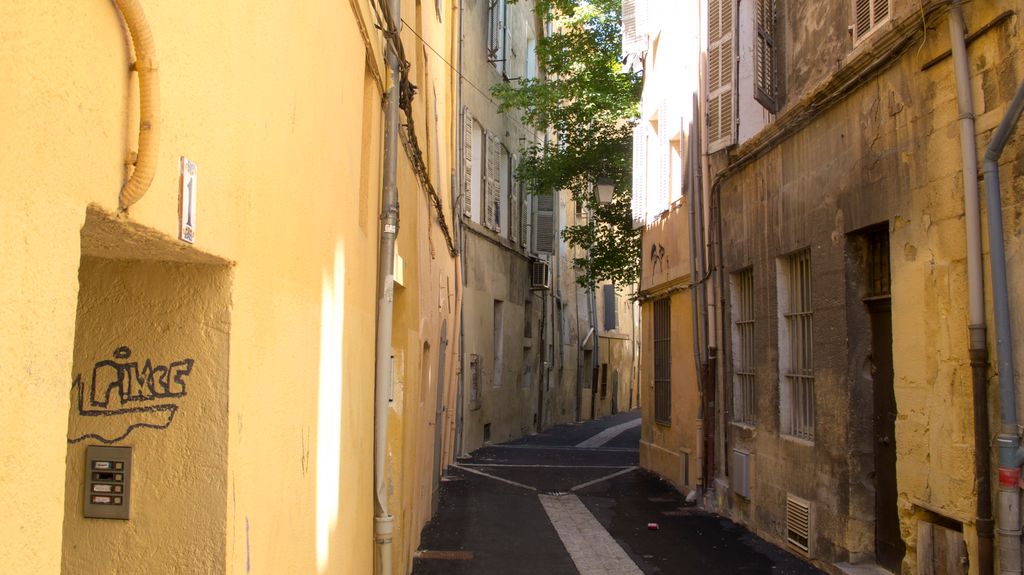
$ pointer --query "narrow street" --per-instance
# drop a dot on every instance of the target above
(572, 500)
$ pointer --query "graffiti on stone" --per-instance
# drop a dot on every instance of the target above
(128, 396)
(657, 257)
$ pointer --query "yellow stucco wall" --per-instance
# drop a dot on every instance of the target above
(280, 109)
(176, 316)
(662, 446)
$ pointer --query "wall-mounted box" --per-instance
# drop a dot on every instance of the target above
(108, 474)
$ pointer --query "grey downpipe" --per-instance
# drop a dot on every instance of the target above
(978, 350)
(383, 521)
(691, 198)
(1010, 455)
(461, 234)
(595, 358)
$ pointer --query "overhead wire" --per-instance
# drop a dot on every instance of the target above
(406, 91)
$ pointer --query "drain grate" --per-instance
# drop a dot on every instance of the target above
(445, 555)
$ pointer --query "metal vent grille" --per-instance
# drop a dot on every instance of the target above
(741, 473)
(798, 523)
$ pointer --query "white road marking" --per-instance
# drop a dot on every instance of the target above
(591, 547)
(494, 477)
(600, 479)
(609, 434)
(546, 466)
(563, 448)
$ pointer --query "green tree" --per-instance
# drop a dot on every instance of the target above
(591, 104)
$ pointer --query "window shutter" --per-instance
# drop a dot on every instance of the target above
(467, 163)
(544, 223)
(492, 29)
(881, 11)
(524, 211)
(765, 90)
(868, 15)
(611, 308)
(721, 126)
(491, 183)
(513, 202)
(664, 158)
(862, 16)
(639, 175)
(632, 39)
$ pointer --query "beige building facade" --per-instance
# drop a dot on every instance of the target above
(840, 298)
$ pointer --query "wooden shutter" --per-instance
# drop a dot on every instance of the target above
(721, 126)
(544, 223)
(524, 216)
(637, 203)
(765, 90)
(467, 163)
(862, 17)
(492, 184)
(662, 197)
(632, 34)
(513, 202)
(867, 15)
(611, 308)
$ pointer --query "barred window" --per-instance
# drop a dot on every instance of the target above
(743, 346)
(797, 362)
(879, 277)
(663, 361)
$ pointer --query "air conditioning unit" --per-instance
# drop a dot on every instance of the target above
(540, 274)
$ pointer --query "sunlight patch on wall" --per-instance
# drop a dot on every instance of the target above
(328, 450)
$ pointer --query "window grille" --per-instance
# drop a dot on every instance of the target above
(663, 361)
(879, 278)
(798, 385)
(765, 87)
(743, 351)
(868, 15)
(604, 380)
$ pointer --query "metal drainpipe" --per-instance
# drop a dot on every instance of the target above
(1010, 454)
(457, 216)
(596, 356)
(384, 521)
(978, 349)
(145, 66)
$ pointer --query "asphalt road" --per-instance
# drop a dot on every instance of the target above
(541, 505)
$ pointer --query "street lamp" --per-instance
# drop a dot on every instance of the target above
(605, 189)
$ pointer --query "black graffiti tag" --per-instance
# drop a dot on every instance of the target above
(125, 393)
(131, 384)
(658, 256)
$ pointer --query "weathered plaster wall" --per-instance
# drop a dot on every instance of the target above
(662, 446)
(889, 153)
(664, 273)
(666, 248)
(497, 273)
(177, 316)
